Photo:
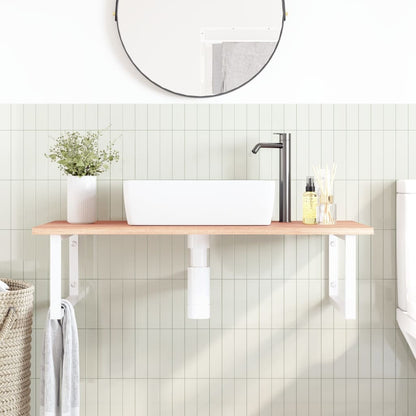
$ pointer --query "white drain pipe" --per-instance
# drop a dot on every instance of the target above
(198, 277)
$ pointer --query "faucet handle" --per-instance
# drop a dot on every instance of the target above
(284, 137)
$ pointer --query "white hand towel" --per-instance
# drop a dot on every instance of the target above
(60, 365)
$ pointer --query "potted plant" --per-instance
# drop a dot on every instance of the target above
(79, 157)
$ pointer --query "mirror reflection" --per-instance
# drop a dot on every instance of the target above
(197, 47)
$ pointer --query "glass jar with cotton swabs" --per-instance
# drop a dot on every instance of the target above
(326, 210)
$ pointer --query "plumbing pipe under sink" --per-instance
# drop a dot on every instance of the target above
(198, 277)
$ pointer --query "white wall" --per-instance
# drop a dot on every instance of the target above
(332, 51)
(274, 344)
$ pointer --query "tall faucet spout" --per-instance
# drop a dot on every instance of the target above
(284, 182)
(259, 146)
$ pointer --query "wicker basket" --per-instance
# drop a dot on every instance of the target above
(16, 310)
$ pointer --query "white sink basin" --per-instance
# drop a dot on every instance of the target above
(193, 202)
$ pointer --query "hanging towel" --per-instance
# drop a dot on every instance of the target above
(235, 63)
(60, 365)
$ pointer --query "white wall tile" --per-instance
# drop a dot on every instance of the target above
(5, 154)
(191, 117)
(203, 113)
(153, 117)
(352, 117)
(389, 158)
(339, 396)
(29, 117)
(278, 117)
(302, 117)
(402, 155)
(389, 117)
(402, 116)
(203, 397)
(91, 116)
(389, 398)
(412, 116)
(302, 353)
(327, 148)
(315, 353)
(16, 116)
(352, 155)
(116, 116)
(315, 117)
(141, 116)
(79, 117)
(377, 157)
(412, 150)
(290, 117)
(103, 399)
(66, 117)
(364, 117)
(265, 117)
(327, 397)
(128, 117)
(302, 156)
(153, 396)
(116, 169)
(5, 208)
(327, 117)
(5, 116)
(377, 117)
(29, 149)
(290, 348)
(341, 148)
(153, 155)
(228, 117)
(227, 153)
(240, 116)
(315, 149)
(340, 117)
(389, 352)
(215, 117)
(253, 119)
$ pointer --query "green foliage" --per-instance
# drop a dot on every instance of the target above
(79, 155)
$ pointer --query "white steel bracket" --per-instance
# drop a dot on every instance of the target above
(55, 281)
(345, 299)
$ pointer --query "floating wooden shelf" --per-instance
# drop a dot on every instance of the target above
(275, 228)
(198, 244)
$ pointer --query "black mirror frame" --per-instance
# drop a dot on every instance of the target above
(202, 96)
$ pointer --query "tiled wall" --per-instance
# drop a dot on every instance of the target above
(274, 344)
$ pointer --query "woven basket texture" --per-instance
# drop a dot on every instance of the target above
(16, 310)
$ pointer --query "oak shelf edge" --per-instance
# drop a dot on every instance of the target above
(275, 228)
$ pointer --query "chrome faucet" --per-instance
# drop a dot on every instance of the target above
(284, 182)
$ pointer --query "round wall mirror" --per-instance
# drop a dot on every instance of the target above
(200, 48)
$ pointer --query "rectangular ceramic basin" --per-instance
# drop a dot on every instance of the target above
(192, 202)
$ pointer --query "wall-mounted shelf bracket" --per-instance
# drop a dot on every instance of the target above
(344, 298)
(55, 260)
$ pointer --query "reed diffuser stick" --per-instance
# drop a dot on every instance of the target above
(325, 180)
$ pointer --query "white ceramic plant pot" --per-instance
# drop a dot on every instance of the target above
(81, 199)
